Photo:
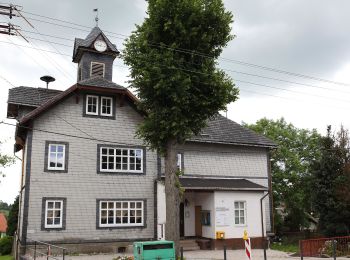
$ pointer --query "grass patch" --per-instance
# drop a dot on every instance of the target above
(288, 248)
(6, 257)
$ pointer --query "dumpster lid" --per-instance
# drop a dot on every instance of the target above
(158, 242)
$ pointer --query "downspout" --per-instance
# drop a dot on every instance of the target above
(262, 214)
(262, 223)
(19, 204)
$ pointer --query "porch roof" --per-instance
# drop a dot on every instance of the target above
(220, 184)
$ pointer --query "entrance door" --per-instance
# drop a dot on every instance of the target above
(182, 220)
(198, 221)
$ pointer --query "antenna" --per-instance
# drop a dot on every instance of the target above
(96, 17)
(47, 79)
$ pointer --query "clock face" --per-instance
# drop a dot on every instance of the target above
(100, 46)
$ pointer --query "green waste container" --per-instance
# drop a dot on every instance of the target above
(154, 250)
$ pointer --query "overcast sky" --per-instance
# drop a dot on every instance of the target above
(311, 38)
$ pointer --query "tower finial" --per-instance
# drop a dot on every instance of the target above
(96, 17)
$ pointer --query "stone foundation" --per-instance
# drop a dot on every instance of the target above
(237, 243)
(80, 248)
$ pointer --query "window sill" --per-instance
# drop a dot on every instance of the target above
(239, 225)
(122, 227)
(112, 117)
(53, 228)
(120, 173)
(56, 171)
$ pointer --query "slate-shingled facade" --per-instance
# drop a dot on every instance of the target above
(91, 185)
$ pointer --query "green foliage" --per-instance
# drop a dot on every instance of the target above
(6, 257)
(6, 245)
(4, 206)
(5, 161)
(291, 170)
(331, 184)
(179, 90)
(13, 218)
(285, 247)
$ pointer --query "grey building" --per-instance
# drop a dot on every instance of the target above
(89, 184)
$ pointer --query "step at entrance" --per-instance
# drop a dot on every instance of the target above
(189, 245)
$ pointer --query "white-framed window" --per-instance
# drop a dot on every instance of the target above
(53, 213)
(97, 69)
(56, 157)
(121, 159)
(179, 162)
(106, 106)
(91, 105)
(121, 213)
(240, 212)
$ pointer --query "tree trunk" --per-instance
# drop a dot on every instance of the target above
(172, 196)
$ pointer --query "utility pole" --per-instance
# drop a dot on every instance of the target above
(11, 10)
(8, 10)
(6, 29)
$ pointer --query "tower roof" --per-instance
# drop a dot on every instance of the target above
(80, 44)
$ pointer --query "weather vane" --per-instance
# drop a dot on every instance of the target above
(96, 18)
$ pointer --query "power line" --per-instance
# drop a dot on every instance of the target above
(60, 69)
(12, 43)
(290, 90)
(5, 79)
(202, 73)
(19, 47)
(61, 44)
(207, 74)
(52, 36)
(95, 139)
(225, 69)
(183, 50)
(66, 135)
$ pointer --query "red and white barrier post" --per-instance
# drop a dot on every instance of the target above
(248, 248)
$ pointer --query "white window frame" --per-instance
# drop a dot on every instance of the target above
(49, 158)
(53, 225)
(106, 114)
(239, 216)
(87, 105)
(97, 63)
(179, 161)
(128, 163)
(114, 213)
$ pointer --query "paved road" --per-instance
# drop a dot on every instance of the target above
(210, 255)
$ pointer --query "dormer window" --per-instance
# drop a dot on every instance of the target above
(106, 106)
(97, 69)
(91, 105)
(99, 106)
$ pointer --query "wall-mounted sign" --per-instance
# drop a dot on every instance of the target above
(222, 217)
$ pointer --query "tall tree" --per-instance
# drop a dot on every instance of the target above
(13, 218)
(291, 169)
(331, 183)
(172, 57)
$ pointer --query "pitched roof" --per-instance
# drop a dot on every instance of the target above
(223, 130)
(99, 82)
(88, 41)
(219, 129)
(3, 223)
(28, 96)
(219, 184)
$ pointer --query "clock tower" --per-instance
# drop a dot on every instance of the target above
(95, 55)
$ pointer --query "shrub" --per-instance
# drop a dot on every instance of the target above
(6, 245)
